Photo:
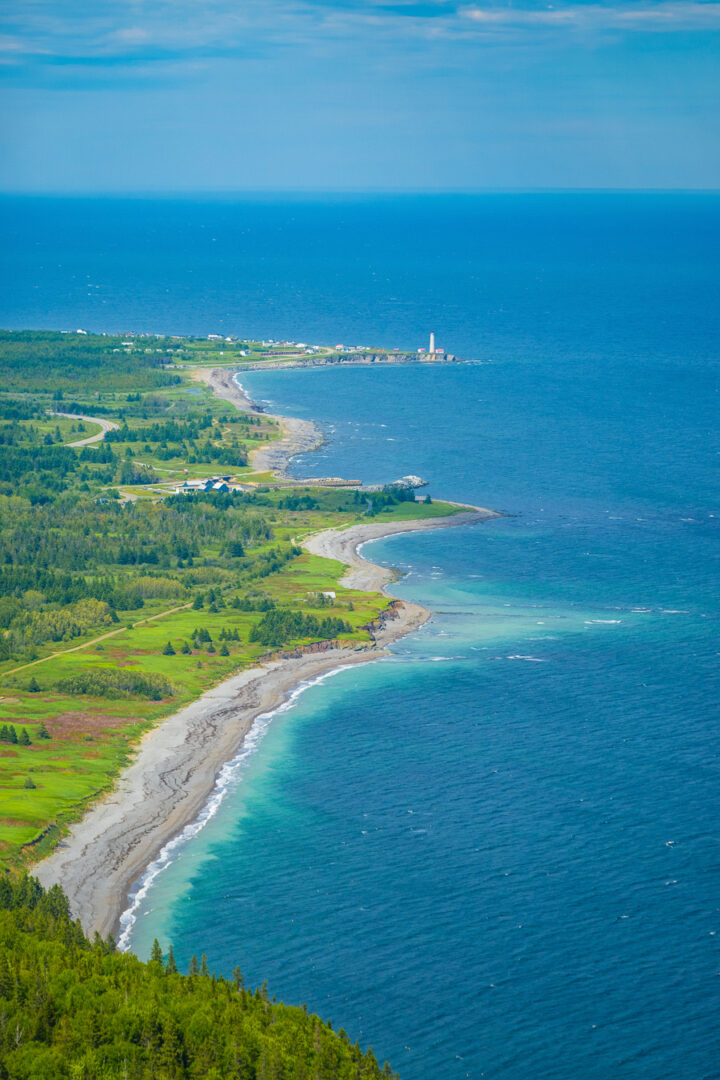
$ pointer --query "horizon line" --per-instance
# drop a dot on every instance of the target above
(239, 193)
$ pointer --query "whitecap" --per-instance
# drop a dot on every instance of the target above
(228, 777)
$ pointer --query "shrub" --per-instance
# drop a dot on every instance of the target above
(115, 683)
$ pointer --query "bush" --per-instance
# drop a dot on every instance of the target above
(115, 683)
(282, 624)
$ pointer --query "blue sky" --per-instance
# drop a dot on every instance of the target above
(211, 95)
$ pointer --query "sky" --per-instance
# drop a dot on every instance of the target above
(145, 96)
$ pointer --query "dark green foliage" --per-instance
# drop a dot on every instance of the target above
(253, 603)
(24, 738)
(115, 683)
(73, 1008)
(43, 732)
(29, 783)
(281, 625)
(168, 650)
(68, 363)
(56, 558)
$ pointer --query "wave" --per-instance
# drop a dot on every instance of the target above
(228, 778)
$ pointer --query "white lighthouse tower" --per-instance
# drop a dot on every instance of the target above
(431, 350)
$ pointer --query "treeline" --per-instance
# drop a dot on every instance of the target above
(47, 587)
(77, 533)
(181, 439)
(73, 1009)
(281, 625)
(58, 624)
(67, 567)
(17, 409)
(114, 683)
(47, 361)
(16, 434)
(49, 464)
(176, 431)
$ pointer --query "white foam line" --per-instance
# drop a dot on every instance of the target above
(228, 777)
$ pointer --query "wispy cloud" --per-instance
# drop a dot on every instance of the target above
(140, 34)
(674, 15)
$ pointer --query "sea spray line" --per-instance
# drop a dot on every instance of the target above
(229, 776)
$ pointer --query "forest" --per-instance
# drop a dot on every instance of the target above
(75, 1009)
(124, 592)
(127, 591)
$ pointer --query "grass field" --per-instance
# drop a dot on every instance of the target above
(194, 629)
(92, 737)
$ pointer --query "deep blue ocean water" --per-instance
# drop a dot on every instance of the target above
(497, 853)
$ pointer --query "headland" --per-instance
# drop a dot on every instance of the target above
(176, 762)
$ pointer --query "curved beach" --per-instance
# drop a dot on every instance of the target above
(298, 436)
(177, 763)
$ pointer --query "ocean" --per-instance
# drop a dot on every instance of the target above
(496, 853)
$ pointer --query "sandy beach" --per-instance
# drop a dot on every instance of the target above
(298, 436)
(176, 763)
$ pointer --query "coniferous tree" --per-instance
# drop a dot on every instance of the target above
(171, 966)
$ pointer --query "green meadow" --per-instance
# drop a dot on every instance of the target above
(120, 601)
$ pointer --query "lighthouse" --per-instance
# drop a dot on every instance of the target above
(432, 343)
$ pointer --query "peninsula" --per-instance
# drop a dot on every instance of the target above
(164, 581)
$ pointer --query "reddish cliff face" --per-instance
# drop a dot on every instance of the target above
(392, 611)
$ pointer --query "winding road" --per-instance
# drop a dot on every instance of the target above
(105, 425)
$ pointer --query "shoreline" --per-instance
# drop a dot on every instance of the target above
(298, 436)
(177, 764)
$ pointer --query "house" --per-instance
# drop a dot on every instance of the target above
(197, 485)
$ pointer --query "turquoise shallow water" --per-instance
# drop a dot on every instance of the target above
(496, 854)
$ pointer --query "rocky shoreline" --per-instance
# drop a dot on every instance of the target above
(177, 763)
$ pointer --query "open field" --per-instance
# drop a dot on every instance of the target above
(122, 603)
